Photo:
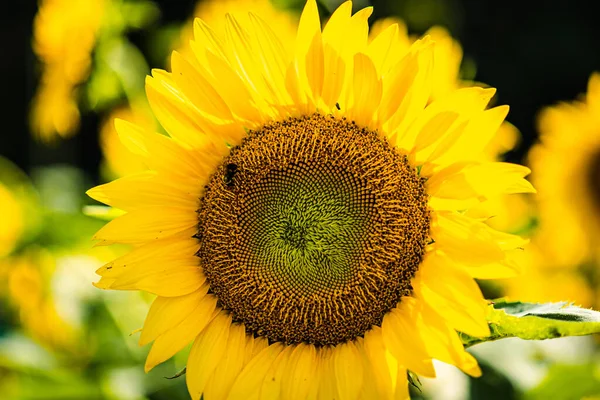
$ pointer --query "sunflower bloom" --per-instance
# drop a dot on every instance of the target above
(569, 201)
(303, 223)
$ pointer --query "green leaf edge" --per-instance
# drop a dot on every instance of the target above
(535, 321)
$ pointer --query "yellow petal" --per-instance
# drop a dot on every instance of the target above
(234, 91)
(161, 255)
(452, 293)
(327, 383)
(335, 29)
(334, 74)
(465, 239)
(367, 91)
(132, 137)
(476, 136)
(406, 92)
(402, 392)
(206, 354)
(243, 59)
(389, 46)
(300, 374)
(254, 347)
(205, 40)
(145, 189)
(169, 157)
(314, 65)
(273, 380)
(198, 89)
(470, 242)
(399, 82)
(347, 34)
(176, 338)
(170, 283)
(248, 382)
(348, 370)
(480, 181)
(273, 57)
(442, 342)
(308, 27)
(147, 224)
(230, 365)
(180, 118)
(377, 382)
(338, 55)
(167, 312)
(309, 52)
(399, 331)
(446, 118)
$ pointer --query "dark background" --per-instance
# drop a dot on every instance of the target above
(534, 53)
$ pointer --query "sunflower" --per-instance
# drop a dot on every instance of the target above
(64, 34)
(303, 223)
(569, 201)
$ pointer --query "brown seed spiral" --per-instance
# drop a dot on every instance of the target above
(311, 230)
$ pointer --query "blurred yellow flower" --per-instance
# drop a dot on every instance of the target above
(28, 280)
(54, 109)
(540, 281)
(64, 34)
(507, 137)
(566, 171)
(11, 227)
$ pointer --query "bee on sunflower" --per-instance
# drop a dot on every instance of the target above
(338, 253)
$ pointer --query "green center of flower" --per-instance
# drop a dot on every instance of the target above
(307, 225)
(311, 230)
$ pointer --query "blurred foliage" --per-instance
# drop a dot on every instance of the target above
(61, 338)
(568, 382)
(492, 385)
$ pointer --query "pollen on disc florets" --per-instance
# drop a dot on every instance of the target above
(311, 230)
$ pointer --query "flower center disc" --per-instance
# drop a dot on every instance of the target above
(311, 230)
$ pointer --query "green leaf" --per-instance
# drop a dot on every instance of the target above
(568, 382)
(533, 321)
